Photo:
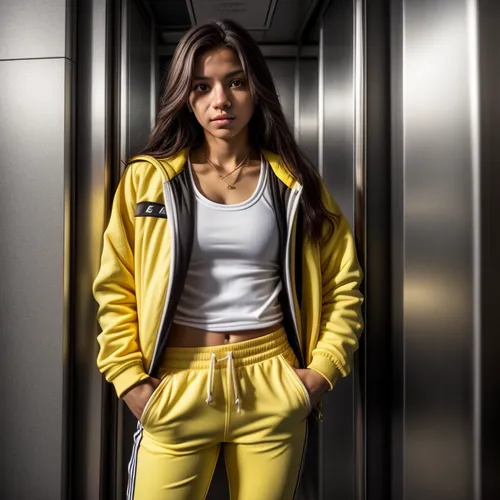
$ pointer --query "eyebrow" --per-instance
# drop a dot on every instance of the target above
(229, 75)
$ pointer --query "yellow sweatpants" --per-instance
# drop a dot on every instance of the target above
(245, 398)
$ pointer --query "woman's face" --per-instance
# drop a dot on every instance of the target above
(220, 96)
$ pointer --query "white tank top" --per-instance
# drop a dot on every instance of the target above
(233, 281)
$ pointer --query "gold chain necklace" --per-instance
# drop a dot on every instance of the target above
(223, 177)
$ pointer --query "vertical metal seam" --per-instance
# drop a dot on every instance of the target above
(123, 118)
(359, 221)
(403, 233)
(153, 97)
(474, 97)
(321, 98)
(68, 266)
(296, 98)
(124, 82)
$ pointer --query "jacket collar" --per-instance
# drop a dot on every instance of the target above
(173, 166)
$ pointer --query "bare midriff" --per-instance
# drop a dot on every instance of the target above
(186, 336)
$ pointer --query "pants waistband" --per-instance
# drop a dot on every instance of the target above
(244, 353)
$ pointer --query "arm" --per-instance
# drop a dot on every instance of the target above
(341, 318)
(119, 358)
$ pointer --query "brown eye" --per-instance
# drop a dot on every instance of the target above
(201, 87)
(236, 83)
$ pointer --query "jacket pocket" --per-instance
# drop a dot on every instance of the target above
(298, 382)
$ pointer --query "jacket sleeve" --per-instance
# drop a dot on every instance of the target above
(341, 316)
(120, 358)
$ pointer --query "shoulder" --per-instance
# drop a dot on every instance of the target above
(141, 181)
(140, 170)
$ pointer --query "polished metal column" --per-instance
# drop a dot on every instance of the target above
(436, 167)
(37, 67)
(93, 451)
(337, 157)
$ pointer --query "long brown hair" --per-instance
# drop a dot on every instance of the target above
(177, 128)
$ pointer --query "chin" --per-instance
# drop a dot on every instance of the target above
(224, 133)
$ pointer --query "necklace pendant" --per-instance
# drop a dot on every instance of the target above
(230, 186)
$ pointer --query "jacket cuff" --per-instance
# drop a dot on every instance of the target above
(326, 369)
(128, 378)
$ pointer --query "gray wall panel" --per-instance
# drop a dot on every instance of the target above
(136, 86)
(283, 71)
(34, 29)
(139, 78)
(337, 168)
(338, 104)
(93, 453)
(308, 108)
(34, 143)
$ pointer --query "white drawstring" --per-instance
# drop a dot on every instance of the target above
(210, 382)
(231, 373)
(231, 368)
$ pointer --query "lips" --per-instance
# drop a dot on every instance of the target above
(222, 118)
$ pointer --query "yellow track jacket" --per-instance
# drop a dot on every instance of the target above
(146, 252)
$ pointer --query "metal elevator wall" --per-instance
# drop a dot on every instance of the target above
(418, 418)
(37, 69)
(336, 166)
(438, 162)
(436, 173)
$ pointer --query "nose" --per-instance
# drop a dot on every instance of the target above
(221, 98)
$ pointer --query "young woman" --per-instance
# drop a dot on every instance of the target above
(228, 291)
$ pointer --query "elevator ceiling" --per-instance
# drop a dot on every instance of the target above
(270, 21)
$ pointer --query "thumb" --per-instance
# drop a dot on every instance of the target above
(155, 381)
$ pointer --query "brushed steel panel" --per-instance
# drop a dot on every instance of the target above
(283, 71)
(93, 453)
(308, 107)
(338, 104)
(136, 87)
(34, 29)
(337, 123)
(397, 463)
(34, 137)
(438, 269)
(139, 78)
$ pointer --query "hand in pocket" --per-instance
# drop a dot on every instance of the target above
(315, 384)
(137, 397)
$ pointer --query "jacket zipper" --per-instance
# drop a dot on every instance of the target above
(291, 215)
(172, 222)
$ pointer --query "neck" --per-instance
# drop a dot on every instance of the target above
(226, 152)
